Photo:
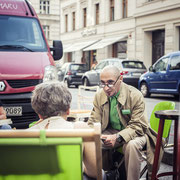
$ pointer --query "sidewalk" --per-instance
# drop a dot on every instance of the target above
(163, 168)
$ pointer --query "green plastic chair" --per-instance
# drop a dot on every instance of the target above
(154, 122)
(41, 158)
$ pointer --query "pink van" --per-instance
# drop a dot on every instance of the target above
(25, 59)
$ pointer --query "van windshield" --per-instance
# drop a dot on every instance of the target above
(21, 34)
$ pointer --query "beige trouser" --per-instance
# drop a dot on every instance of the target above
(133, 155)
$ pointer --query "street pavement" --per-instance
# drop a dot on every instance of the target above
(150, 103)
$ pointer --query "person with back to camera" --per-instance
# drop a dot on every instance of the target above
(3, 116)
(51, 101)
(121, 110)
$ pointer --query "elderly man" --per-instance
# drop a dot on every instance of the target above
(121, 110)
(51, 101)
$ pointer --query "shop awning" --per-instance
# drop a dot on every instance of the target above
(105, 42)
(79, 46)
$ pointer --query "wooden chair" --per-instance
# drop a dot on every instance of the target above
(46, 154)
(84, 102)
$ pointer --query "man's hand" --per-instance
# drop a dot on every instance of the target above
(109, 140)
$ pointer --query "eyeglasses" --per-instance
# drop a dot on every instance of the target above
(109, 84)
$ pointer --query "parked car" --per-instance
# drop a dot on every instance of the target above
(71, 73)
(163, 77)
(130, 69)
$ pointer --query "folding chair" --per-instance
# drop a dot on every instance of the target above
(84, 102)
(46, 154)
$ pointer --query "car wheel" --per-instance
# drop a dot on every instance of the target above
(66, 83)
(144, 89)
(86, 82)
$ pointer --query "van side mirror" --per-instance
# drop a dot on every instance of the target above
(57, 50)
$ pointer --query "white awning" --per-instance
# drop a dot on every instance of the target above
(105, 42)
(79, 46)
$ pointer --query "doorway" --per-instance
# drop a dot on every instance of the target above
(157, 44)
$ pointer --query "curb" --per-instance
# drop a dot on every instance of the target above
(168, 156)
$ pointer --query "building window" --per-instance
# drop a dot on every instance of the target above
(73, 21)
(84, 17)
(124, 9)
(120, 49)
(111, 10)
(44, 6)
(46, 31)
(66, 23)
(97, 14)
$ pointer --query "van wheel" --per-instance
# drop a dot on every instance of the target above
(86, 82)
(144, 89)
(66, 83)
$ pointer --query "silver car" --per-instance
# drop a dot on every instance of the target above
(130, 69)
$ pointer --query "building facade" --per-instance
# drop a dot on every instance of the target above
(48, 12)
(157, 29)
(135, 29)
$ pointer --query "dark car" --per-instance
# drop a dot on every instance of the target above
(130, 69)
(163, 77)
(71, 73)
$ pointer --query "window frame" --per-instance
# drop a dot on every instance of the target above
(44, 6)
(73, 20)
(111, 10)
(85, 17)
(124, 8)
(66, 22)
(97, 13)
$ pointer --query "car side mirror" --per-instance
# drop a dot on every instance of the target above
(57, 50)
(151, 69)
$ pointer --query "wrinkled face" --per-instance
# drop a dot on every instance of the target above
(110, 83)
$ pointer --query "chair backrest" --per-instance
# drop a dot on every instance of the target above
(154, 122)
(85, 98)
(84, 102)
(45, 154)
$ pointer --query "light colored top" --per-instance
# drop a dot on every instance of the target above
(55, 122)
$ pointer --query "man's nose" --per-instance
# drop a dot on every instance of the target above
(106, 88)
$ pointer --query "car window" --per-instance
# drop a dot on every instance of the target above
(114, 63)
(161, 65)
(75, 67)
(175, 63)
(101, 65)
(133, 65)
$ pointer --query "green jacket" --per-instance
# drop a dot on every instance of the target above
(135, 122)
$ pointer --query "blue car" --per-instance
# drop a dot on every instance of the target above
(163, 77)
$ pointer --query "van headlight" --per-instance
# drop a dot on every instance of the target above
(50, 73)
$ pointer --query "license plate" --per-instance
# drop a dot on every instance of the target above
(136, 74)
(79, 74)
(13, 111)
